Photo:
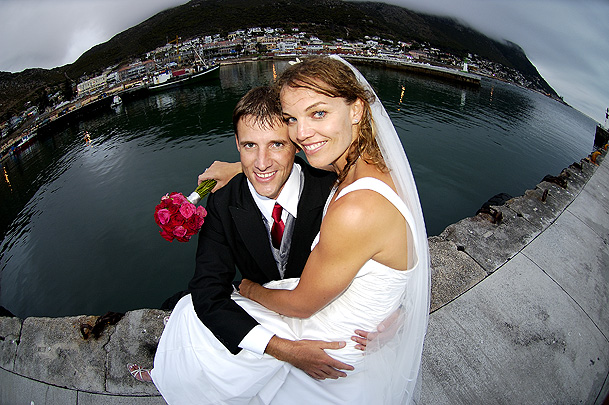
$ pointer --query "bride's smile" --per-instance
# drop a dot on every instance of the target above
(322, 126)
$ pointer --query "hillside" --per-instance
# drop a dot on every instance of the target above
(328, 19)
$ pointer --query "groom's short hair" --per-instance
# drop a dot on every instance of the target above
(261, 106)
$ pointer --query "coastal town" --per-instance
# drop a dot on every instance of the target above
(183, 61)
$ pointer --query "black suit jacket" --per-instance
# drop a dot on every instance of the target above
(234, 236)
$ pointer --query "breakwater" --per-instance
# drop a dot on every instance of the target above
(425, 69)
(47, 360)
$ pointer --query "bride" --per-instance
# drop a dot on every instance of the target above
(369, 263)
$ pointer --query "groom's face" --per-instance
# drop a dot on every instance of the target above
(267, 156)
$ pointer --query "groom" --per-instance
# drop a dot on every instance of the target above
(237, 235)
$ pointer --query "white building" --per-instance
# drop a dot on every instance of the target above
(313, 48)
(287, 46)
(92, 85)
(254, 31)
(135, 70)
(315, 41)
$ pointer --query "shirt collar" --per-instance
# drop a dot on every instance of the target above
(288, 197)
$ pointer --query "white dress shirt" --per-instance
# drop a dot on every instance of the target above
(258, 338)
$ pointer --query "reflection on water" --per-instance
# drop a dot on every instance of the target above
(77, 218)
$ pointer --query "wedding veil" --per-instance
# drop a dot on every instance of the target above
(393, 358)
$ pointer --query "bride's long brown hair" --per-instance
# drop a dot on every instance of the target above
(333, 78)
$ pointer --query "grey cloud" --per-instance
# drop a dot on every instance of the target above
(566, 40)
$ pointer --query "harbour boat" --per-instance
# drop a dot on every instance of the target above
(601, 137)
(168, 79)
(116, 101)
(24, 142)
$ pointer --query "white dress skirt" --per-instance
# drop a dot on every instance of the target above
(192, 367)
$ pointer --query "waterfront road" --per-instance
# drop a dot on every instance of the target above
(533, 331)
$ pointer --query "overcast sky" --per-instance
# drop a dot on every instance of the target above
(567, 40)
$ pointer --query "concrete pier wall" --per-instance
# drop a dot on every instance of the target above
(444, 73)
(47, 360)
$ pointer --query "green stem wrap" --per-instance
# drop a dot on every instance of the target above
(201, 191)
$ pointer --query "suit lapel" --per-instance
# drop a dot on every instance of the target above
(254, 233)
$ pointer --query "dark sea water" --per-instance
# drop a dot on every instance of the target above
(77, 228)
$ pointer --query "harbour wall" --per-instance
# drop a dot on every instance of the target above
(58, 119)
(438, 72)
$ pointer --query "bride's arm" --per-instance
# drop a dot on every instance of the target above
(350, 235)
(222, 172)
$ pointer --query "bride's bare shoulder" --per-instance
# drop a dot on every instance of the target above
(362, 208)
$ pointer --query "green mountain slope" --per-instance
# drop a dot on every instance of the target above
(328, 19)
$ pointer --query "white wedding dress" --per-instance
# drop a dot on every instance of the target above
(192, 367)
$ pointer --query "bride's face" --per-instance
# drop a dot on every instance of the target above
(324, 127)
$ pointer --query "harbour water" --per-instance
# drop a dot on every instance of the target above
(77, 227)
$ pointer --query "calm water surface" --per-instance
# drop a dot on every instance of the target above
(77, 228)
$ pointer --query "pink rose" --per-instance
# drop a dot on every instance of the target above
(187, 209)
(178, 198)
(163, 216)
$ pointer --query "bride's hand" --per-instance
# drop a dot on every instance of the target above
(222, 172)
(385, 331)
(361, 338)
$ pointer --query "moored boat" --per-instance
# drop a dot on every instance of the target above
(116, 101)
(24, 142)
(601, 137)
(168, 79)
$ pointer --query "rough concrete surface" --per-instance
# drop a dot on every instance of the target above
(53, 350)
(453, 272)
(10, 332)
(533, 208)
(518, 339)
(134, 341)
(490, 244)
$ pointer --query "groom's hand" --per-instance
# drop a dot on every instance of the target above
(309, 356)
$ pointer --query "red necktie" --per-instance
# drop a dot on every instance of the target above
(278, 226)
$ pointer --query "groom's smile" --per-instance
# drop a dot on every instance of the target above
(267, 156)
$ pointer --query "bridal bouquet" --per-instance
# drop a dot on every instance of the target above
(178, 216)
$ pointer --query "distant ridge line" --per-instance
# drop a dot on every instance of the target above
(328, 19)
